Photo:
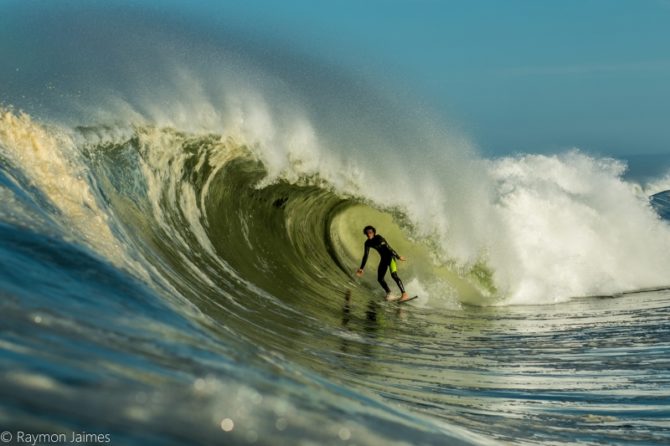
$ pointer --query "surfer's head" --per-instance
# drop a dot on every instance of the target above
(369, 231)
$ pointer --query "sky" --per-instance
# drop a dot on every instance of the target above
(515, 76)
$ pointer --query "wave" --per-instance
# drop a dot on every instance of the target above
(222, 212)
(225, 222)
(575, 227)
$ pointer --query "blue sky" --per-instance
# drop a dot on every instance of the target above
(517, 76)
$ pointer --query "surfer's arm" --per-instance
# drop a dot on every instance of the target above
(393, 253)
(365, 257)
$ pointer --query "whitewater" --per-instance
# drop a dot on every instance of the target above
(179, 243)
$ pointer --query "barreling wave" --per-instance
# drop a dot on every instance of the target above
(202, 212)
(204, 205)
(211, 212)
(213, 199)
(256, 265)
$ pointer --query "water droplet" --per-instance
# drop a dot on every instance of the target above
(199, 385)
(227, 424)
(344, 434)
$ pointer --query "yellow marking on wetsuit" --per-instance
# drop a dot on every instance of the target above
(394, 266)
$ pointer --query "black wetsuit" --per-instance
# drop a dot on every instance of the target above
(387, 255)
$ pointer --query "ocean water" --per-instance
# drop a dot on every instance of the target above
(179, 238)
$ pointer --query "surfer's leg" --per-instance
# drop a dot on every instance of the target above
(381, 272)
(399, 282)
(394, 274)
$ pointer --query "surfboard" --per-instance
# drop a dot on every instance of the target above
(405, 301)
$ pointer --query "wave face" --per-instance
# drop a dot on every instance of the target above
(178, 253)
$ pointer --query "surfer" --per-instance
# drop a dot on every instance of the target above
(387, 261)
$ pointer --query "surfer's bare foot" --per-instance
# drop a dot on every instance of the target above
(404, 297)
(390, 297)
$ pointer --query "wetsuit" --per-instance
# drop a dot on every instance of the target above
(388, 256)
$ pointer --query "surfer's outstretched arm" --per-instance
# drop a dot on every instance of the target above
(364, 261)
(365, 256)
(394, 253)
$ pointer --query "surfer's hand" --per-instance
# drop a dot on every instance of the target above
(359, 273)
(402, 258)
